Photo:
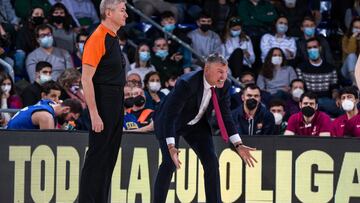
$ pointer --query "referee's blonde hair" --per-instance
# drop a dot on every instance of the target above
(108, 4)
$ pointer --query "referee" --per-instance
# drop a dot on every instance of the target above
(103, 80)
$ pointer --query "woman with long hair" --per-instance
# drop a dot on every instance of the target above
(237, 47)
(142, 65)
(275, 76)
(152, 90)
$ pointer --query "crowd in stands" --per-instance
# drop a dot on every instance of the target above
(289, 78)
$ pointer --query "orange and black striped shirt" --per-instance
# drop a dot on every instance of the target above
(102, 51)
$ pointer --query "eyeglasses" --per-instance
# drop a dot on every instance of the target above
(45, 35)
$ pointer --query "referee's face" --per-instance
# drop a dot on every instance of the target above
(119, 15)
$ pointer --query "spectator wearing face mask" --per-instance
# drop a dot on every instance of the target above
(165, 63)
(279, 39)
(310, 121)
(297, 88)
(61, 23)
(341, 126)
(275, 75)
(277, 108)
(169, 84)
(251, 118)
(70, 81)
(152, 88)
(351, 50)
(32, 93)
(26, 39)
(9, 98)
(60, 59)
(308, 28)
(77, 55)
(142, 64)
(203, 40)
(237, 47)
(320, 77)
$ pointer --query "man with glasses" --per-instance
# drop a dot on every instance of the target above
(60, 59)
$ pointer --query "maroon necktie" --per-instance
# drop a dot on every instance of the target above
(219, 118)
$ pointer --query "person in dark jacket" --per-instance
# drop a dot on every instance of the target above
(251, 118)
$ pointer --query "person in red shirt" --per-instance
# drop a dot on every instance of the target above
(349, 98)
(309, 121)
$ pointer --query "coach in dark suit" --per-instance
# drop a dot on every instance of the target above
(186, 112)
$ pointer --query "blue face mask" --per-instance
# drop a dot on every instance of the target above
(162, 53)
(169, 27)
(46, 42)
(281, 28)
(81, 47)
(309, 31)
(144, 56)
(235, 33)
(313, 53)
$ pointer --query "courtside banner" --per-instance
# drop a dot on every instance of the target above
(45, 167)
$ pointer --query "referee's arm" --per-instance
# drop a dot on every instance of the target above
(86, 80)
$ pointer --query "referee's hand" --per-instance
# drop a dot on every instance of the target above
(97, 124)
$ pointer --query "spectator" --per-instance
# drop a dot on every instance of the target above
(32, 93)
(320, 77)
(7, 14)
(257, 16)
(279, 39)
(164, 63)
(308, 27)
(275, 75)
(135, 79)
(127, 49)
(69, 81)
(22, 7)
(77, 55)
(245, 79)
(310, 121)
(9, 98)
(59, 58)
(26, 39)
(43, 115)
(237, 47)
(142, 65)
(152, 88)
(203, 40)
(251, 118)
(142, 114)
(7, 63)
(51, 90)
(83, 12)
(349, 97)
(277, 108)
(351, 13)
(297, 88)
(351, 50)
(130, 121)
(60, 21)
(169, 84)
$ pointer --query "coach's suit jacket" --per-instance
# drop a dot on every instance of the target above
(182, 105)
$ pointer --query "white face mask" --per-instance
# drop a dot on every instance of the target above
(278, 118)
(296, 93)
(44, 78)
(6, 88)
(154, 86)
(276, 60)
(348, 105)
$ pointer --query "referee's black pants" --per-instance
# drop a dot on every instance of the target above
(104, 146)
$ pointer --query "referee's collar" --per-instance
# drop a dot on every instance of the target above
(108, 30)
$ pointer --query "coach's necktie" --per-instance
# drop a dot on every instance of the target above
(219, 118)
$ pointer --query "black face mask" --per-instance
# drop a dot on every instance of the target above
(37, 20)
(205, 27)
(308, 111)
(58, 19)
(129, 102)
(251, 104)
(139, 101)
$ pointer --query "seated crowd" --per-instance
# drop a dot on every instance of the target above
(286, 78)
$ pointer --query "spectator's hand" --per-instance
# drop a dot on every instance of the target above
(289, 53)
(174, 154)
(244, 153)
(246, 54)
(176, 57)
(97, 124)
(155, 97)
(5, 95)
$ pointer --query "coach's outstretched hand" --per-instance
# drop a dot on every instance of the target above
(244, 153)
